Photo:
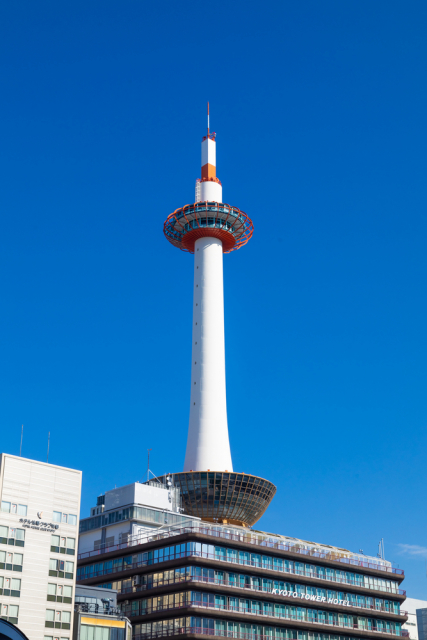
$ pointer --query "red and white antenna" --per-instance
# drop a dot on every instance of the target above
(208, 119)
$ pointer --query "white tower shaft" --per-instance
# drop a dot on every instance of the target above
(208, 445)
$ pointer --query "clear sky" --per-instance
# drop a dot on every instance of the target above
(320, 113)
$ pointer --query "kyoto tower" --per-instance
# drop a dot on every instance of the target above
(208, 228)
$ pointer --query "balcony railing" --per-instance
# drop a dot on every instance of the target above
(86, 607)
(237, 561)
(167, 633)
(249, 538)
(293, 617)
(227, 583)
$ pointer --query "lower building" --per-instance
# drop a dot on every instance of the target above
(416, 611)
(96, 616)
(198, 578)
(39, 519)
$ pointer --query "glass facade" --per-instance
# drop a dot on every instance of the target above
(238, 557)
(259, 608)
(231, 629)
(252, 584)
(142, 514)
(91, 632)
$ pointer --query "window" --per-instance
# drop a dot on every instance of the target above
(20, 534)
(12, 536)
(12, 583)
(61, 544)
(15, 587)
(65, 518)
(58, 567)
(50, 615)
(88, 632)
(57, 619)
(10, 612)
(51, 592)
(59, 593)
(13, 507)
(11, 561)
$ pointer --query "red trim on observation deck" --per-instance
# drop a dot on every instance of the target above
(227, 239)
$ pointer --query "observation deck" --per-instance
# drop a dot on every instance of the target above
(208, 219)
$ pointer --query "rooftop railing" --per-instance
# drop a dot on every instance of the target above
(89, 607)
(258, 540)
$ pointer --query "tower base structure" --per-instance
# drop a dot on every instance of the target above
(220, 496)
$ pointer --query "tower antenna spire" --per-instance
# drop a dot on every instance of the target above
(208, 119)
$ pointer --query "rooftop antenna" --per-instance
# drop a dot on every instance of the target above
(148, 464)
(20, 448)
(208, 119)
(48, 442)
(381, 553)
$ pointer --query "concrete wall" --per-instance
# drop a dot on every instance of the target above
(208, 445)
(137, 493)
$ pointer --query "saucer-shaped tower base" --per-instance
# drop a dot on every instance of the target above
(219, 496)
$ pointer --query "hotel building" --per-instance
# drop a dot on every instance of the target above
(39, 517)
(197, 578)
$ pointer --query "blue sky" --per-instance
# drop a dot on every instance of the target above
(319, 110)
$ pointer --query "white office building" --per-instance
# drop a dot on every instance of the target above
(39, 518)
(415, 609)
